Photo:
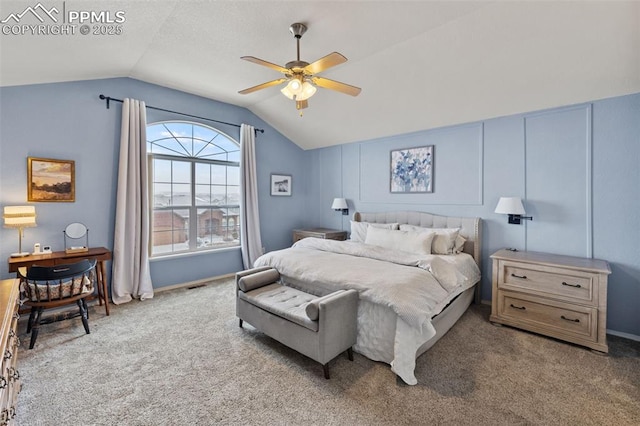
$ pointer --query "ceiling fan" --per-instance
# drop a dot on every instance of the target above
(301, 76)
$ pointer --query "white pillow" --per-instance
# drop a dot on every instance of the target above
(459, 245)
(413, 242)
(359, 229)
(444, 241)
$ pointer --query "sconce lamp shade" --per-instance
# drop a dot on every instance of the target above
(510, 205)
(513, 207)
(19, 217)
(340, 204)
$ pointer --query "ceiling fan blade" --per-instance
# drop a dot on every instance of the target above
(337, 86)
(262, 86)
(266, 64)
(302, 104)
(331, 60)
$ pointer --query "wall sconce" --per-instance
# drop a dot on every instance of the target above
(340, 204)
(514, 208)
(19, 217)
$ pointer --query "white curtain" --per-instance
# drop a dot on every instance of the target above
(131, 277)
(250, 240)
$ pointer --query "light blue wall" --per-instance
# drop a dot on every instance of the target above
(68, 121)
(576, 169)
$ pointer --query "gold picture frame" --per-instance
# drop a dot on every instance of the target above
(50, 180)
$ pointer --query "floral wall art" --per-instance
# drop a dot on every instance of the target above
(412, 170)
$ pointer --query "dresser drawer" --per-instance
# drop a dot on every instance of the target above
(553, 318)
(565, 284)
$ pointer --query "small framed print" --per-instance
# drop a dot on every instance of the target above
(51, 180)
(280, 185)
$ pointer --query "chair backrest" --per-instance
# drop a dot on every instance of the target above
(47, 283)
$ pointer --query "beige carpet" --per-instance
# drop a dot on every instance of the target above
(181, 359)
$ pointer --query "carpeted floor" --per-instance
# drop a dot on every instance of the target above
(181, 359)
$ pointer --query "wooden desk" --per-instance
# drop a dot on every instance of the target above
(101, 254)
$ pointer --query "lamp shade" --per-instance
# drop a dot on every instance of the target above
(295, 85)
(288, 93)
(308, 90)
(339, 204)
(19, 216)
(510, 205)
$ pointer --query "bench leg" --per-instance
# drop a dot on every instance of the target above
(240, 322)
(325, 367)
(350, 354)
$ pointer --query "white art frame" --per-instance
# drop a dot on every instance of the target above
(281, 185)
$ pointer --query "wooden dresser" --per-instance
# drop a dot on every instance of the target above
(9, 342)
(327, 234)
(559, 296)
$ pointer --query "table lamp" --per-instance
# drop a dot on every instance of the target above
(19, 217)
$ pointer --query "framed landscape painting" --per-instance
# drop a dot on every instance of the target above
(50, 180)
(412, 170)
(281, 185)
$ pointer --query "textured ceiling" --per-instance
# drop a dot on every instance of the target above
(420, 64)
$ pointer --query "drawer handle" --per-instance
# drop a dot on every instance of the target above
(571, 285)
(569, 319)
(522, 308)
(524, 277)
(14, 374)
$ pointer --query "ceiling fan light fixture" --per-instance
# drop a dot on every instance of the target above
(308, 90)
(295, 85)
(288, 93)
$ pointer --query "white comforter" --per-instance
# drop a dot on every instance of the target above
(415, 287)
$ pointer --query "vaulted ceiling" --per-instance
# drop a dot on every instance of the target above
(420, 64)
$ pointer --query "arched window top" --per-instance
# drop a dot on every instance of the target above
(192, 140)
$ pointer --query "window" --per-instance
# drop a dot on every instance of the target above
(195, 187)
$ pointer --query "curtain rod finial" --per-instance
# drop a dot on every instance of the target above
(105, 97)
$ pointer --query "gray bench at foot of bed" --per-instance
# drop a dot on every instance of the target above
(318, 327)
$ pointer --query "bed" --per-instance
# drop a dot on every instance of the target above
(408, 298)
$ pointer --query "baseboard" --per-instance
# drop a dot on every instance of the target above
(625, 335)
(194, 283)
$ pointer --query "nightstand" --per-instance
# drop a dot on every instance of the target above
(327, 234)
(559, 296)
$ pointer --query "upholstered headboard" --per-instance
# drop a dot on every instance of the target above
(470, 227)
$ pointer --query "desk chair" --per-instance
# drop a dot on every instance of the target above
(44, 287)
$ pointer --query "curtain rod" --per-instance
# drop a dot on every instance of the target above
(108, 99)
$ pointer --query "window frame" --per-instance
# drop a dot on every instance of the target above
(193, 208)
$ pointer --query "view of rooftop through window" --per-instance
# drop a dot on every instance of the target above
(196, 187)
